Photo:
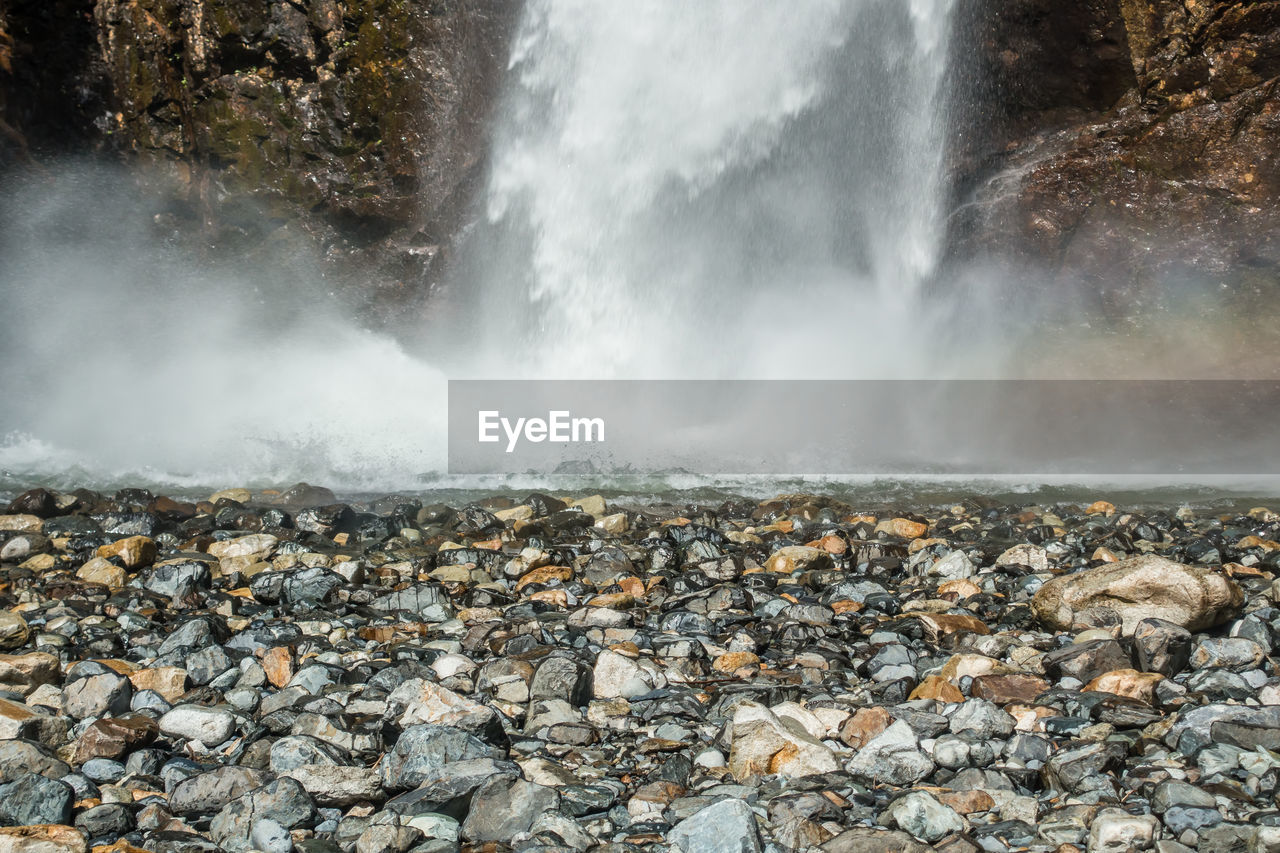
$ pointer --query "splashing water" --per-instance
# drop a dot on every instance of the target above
(126, 358)
(671, 178)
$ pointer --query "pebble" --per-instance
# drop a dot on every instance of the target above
(555, 673)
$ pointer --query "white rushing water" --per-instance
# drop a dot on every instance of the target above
(721, 188)
(715, 188)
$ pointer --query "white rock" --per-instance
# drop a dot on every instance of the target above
(1032, 556)
(434, 826)
(892, 757)
(954, 566)
(209, 726)
(923, 816)
(424, 702)
(447, 666)
(710, 758)
(256, 545)
(1117, 831)
(330, 785)
(616, 676)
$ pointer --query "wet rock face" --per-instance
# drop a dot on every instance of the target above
(360, 120)
(261, 88)
(531, 674)
(1131, 151)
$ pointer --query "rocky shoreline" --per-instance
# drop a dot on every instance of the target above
(281, 671)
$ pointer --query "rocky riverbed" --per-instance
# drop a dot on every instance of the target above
(281, 671)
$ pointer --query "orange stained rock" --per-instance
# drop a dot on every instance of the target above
(556, 597)
(864, 725)
(945, 624)
(1029, 718)
(613, 600)
(733, 661)
(960, 587)
(967, 802)
(1127, 682)
(134, 551)
(169, 681)
(903, 528)
(632, 586)
(41, 837)
(832, 544)
(921, 544)
(545, 574)
(277, 661)
(938, 688)
(1237, 570)
(119, 667)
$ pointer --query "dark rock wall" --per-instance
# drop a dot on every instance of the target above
(53, 91)
(356, 125)
(1135, 146)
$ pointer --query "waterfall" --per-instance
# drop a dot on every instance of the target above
(695, 188)
(721, 188)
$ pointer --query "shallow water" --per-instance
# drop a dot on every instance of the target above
(683, 488)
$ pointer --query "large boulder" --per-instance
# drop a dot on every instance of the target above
(1139, 588)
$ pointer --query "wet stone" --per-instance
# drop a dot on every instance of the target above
(34, 799)
(799, 674)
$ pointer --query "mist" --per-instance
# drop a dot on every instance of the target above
(129, 355)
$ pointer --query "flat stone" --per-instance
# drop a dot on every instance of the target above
(1013, 687)
(334, 786)
(207, 793)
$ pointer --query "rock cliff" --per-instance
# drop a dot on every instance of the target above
(1134, 147)
(357, 123)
